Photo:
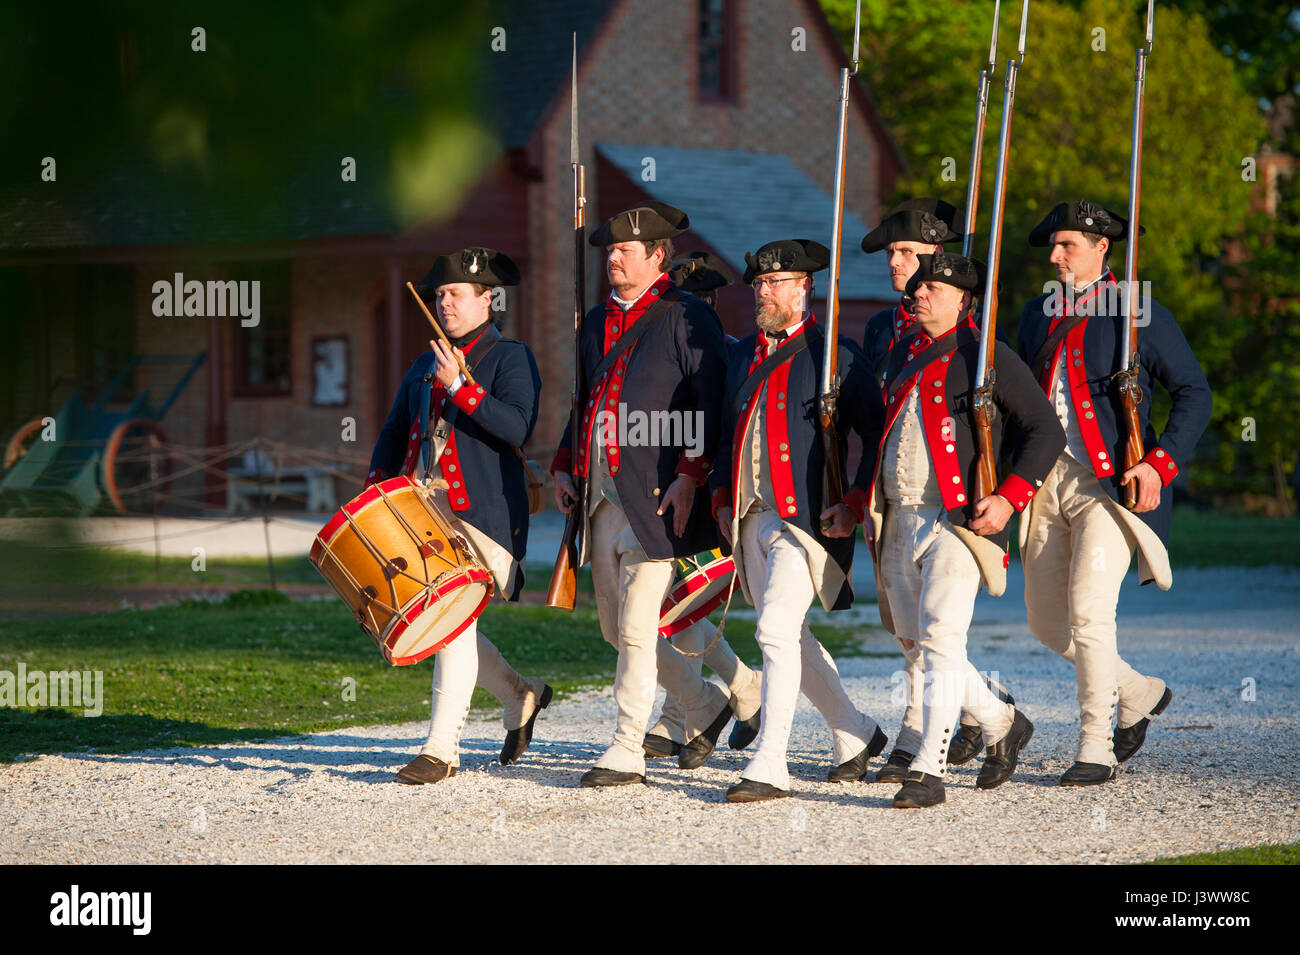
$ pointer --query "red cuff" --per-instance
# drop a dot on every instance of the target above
(562, 462)
(1159, 459)
(697, 469)
(1016, 490)
(721, 498)
(374, 477)
(468, 398)
(856, 501)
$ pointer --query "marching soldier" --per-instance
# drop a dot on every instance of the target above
(702, 274)
(467, 434)
(1078, 539)
(650, 353)
(934, 545)
(912, 228)
(768, 501)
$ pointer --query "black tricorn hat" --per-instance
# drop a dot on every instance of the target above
(1081, 216)
(949, 268)
(642, 223)
(484, 266)
(931, 221)
(698, 272)
(786, 255)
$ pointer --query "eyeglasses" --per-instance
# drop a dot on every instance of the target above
(773, 283)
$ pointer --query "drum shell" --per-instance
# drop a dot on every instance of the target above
(392, 541)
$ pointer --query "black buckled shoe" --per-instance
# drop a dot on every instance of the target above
(610, 777)
(919, 791)
(744, 732)
(697, 751)
(856, 768)
(749, 791)
(895, 768)
(1088, 774)
(1000, 762)
(966, 744)
(657, 747)
(425, 769)
(517, 740)
(1129, 739)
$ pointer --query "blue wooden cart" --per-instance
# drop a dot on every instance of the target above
(86, 457)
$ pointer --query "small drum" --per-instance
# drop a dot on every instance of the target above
(700, 589)
(411, 581)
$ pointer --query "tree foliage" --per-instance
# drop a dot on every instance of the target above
(1070, 139)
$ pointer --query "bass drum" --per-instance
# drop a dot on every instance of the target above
(412, 582)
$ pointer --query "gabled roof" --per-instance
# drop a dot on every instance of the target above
(534, 69)
(738, 200)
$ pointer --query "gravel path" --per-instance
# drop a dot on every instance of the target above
(1218, 771)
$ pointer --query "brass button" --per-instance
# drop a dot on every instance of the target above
(655, 492)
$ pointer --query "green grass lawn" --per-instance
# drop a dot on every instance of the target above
(24, 566)
(1208, 538)
(257, 665)
(1255, 855)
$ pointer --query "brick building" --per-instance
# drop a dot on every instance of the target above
(726, 108)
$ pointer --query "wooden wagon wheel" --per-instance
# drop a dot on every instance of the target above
(23, 439)
(136, 466)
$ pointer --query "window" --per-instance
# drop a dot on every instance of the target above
(716, 80)
(262, 357)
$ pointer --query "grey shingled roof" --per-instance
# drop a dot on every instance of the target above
(738, 200)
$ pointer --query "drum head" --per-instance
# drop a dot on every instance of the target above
(696, 595)
(438, 617)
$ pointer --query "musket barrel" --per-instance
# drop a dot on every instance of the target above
(837, 227)
(1134, 209)
(995, 233)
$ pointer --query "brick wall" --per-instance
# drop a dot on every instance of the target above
(637, 84)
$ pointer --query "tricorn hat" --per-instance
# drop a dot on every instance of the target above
(643, 223)
(786, 255)
(698, 272)
(1081, 216)
(931, 221)
(956, 270)
(483, 266)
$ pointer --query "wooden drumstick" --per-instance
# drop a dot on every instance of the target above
(441, 334)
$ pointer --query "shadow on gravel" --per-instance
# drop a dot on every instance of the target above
(51, 731)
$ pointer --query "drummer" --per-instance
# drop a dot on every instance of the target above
(443, 426)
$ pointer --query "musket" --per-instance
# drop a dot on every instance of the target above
(1130, 392)
(563, 590)
(986, 473)
(977, 142)
(830, 390)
